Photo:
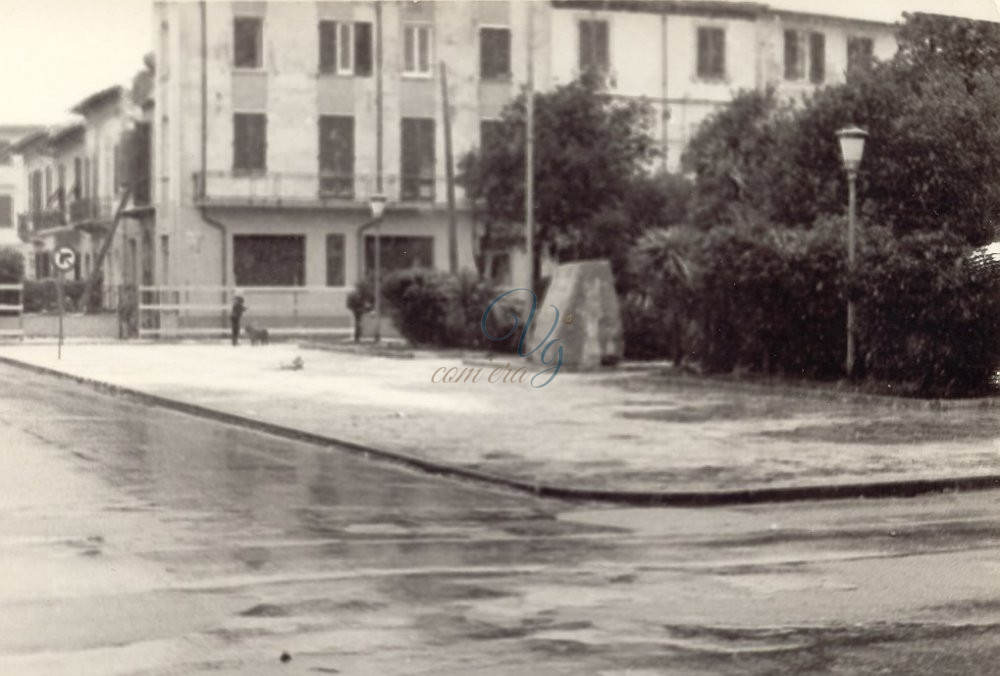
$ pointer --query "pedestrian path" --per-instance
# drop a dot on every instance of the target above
(623, 430)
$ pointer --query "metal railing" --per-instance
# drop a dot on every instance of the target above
(238, 188)
(91, 208)
(180, 311)
(32, 221)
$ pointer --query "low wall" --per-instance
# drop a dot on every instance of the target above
(75, 325)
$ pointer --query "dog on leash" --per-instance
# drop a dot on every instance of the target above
(257, 336)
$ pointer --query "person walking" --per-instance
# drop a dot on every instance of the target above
(236, 317)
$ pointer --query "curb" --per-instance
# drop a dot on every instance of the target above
(882, 489)
(830, 393)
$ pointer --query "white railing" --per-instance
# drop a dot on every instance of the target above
(177, 311)
(6, 319)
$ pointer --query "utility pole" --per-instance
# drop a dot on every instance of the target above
(102, 254)
(529, 150)
(449, 164)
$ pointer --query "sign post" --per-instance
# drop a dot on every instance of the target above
(64, 258)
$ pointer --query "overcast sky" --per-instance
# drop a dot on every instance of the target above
(54, 53)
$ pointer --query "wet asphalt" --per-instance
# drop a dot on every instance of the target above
(141, 541)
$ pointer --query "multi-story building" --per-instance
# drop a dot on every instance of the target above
(276, 123)
(688, 58)
(12, 183)
(76, 176)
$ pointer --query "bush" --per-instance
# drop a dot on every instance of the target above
(928, 319)
(11, 266)
(433, 308)
(774, 301)
(740, 297)
(42, 296)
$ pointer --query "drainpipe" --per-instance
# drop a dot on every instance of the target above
(201, 184)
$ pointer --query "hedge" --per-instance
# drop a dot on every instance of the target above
(773, 301)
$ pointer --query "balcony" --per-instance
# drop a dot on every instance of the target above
(271, 189)
(41, 219)
(91, 210)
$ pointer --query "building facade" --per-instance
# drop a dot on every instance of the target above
(275, 123)
(13, 187)
(689, 58)
(76, 176)
(248, 153)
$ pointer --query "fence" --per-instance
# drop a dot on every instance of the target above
(12, 311)
(203, 311)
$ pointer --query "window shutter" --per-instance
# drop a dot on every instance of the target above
(817, 57)
(327, 46)
(424, 44)
(586, 45)
(791, 55)
(702, 53)
(246, 39)
(363, 49)
(602, 56)
(719, 52)
(409, 50)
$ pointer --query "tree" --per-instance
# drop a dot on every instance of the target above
(590, 149)
(932, 161)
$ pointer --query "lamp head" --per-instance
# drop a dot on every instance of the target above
(852, 146)
(378, 205)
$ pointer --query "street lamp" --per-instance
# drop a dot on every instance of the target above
(852, 148)
(378, 208)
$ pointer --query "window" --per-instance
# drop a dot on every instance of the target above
(860, 54)
(416, 50)
(249, 142)
(269, 260)
(336, 155)
(345, 48)
(363, 49)
(77, 176)
(47, 194)
(142, 139)
(489, 133)
(335, 273)
(399, 253)
(247, 38)
(5, 152)
(417, 140)
(494, 53)
(817, 58)
(594, 54)
(795, 56)
(62, 187)
(6, 211)
(35, 198)
(711, 53)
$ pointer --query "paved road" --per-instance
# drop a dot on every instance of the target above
(140, 541)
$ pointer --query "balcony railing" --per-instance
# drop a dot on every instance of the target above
(91, 209)
(229, 188)
(43, 219)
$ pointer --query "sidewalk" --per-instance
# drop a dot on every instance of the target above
(624, 430)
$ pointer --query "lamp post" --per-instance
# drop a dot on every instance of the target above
(852, 148)
(378, 207)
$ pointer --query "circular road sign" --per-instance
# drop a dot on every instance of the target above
(64, 257)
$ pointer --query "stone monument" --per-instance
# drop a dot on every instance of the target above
(590, 320)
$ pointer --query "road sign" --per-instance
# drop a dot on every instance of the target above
(64, 257)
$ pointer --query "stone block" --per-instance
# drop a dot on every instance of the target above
(590, 320)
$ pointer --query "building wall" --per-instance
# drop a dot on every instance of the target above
(652, 55)
(290, 89)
